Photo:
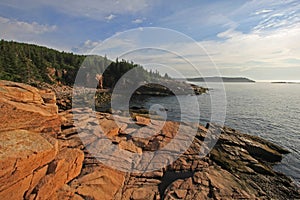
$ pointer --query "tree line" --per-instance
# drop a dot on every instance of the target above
(29, 63)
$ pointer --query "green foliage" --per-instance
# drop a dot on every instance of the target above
(32, 64)
(116, 70)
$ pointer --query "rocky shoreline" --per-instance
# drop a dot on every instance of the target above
(42, 156)
(102, 97)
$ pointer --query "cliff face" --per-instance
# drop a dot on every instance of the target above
(40, 159)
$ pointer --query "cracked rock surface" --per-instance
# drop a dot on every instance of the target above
(49, 155)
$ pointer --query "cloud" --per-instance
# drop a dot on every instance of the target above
(14, 29)
(110, 17)
(209, 19)
(263, 11)
(137, 21)
(285, 15)
(94, 9)
(113, 49)
(86, 47)
(230, 33)
(237, 52)
(269, 42)
(200, 17)
(240, 37)
(253, 50)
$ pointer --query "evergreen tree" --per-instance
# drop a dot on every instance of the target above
(30, 63)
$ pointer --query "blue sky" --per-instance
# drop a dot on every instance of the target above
(258, 39)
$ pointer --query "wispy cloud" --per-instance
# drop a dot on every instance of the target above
(278, 20)
(201, 19)
(137, 21)
(263, 11)
(267, 49)
(94, 9)
(20, 30)
(86, 47)
(110, 17)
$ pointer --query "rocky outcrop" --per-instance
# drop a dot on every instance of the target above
(101, 183)
(49, 163)
(238, 167)
(33, 163)
(66, 166)
(33, 167)
(103, 96)
(25, 107)
(170, 87)
(24, 157)
(63, 94)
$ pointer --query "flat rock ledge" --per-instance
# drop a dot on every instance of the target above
(57, 160)
(238, 167)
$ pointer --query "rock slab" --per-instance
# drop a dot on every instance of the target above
(23, 158)
(26, 107)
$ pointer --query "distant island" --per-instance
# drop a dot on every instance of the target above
(225, 79)
(285, 82)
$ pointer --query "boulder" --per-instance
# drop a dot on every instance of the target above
(109, 127)
(142, 121)
(66, 193)
(25, 107)
(65, 167)
(130, 146)
(143, 193)
(24, 157)
(33, 164)
(101, 183)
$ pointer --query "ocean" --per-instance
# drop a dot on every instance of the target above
(271, 111)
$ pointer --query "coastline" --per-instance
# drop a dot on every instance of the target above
(239, 166)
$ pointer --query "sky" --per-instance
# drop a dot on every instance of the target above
(258, 39)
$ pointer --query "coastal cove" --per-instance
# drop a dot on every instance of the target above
(270, 111)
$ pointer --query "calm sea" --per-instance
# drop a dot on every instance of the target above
(271, 111)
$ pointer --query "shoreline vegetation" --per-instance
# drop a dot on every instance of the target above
(46, 152)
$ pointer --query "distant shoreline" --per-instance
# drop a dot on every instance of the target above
(222, 79)
(285, 82)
